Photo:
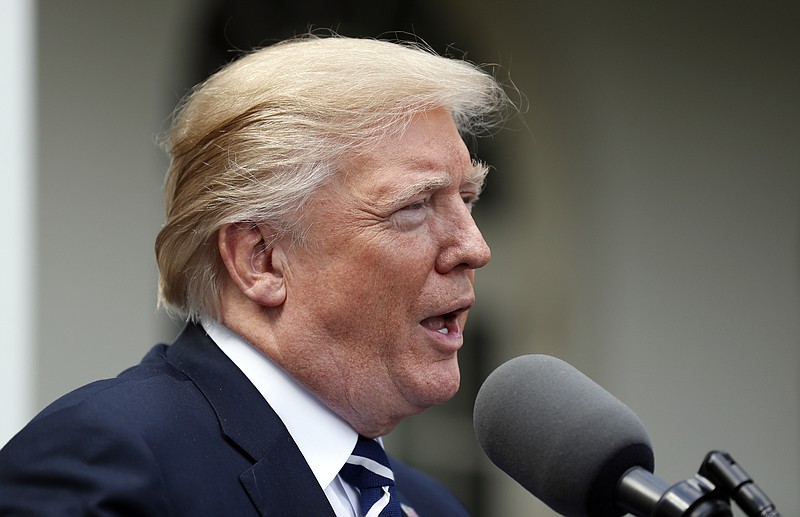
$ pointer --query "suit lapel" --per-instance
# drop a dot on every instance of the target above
(278, 488)
(279, 483)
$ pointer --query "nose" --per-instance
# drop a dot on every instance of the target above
(463, 246)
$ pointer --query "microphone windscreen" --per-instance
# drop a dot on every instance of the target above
(559, 434)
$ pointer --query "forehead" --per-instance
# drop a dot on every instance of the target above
(428, 155)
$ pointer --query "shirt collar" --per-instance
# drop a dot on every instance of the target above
(324, 439)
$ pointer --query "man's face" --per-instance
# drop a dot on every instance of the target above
(380, 294)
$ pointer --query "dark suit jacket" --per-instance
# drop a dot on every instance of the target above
(182, 433)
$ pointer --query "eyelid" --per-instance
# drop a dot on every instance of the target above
(469, 194)
(421, 203)
(422, 197)
(411, 214)
(472, 189)
(472, 197)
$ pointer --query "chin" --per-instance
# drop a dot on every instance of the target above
(438, 387)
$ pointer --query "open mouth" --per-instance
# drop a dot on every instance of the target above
(446, 324)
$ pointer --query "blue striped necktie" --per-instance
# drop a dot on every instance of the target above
(368, 470)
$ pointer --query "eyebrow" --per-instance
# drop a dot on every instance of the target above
(428, 184)
(475, 176)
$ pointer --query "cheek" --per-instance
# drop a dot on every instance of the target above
(364, 302)
(391, 274)
(424, 383)
(366, 291)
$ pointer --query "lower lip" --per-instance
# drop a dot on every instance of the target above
(449, 343)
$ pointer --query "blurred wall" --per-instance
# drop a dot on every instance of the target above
(644, 215)
(17, 133)
(106, 73)
(656, 247)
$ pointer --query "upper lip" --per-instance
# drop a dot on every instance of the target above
(456, 308)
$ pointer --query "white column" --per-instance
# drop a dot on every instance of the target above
(17, 257)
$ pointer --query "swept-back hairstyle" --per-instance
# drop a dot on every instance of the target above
(254, 142)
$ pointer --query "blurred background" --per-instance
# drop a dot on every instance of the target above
(644, 213)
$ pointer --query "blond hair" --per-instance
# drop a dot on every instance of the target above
(256, 140)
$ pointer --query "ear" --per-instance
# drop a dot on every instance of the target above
(253, 265)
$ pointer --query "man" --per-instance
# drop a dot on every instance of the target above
(319, 243)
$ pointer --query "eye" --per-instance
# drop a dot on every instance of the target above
(469, 199)
(418, 205)
(412, 214)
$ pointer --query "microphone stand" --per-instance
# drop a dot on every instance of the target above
(642, 494)
(731, 479)
(707, 494)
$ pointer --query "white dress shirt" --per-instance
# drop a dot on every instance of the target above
(324, 439)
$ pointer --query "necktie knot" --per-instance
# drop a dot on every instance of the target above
(368, 470)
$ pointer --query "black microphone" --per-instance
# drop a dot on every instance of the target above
(565, 439)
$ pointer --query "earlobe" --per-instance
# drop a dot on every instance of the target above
(249, 255)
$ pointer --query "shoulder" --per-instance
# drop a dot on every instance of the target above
(424, 494)
(141, 394)
(87, 446)
(113, 442)
(152, 403)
